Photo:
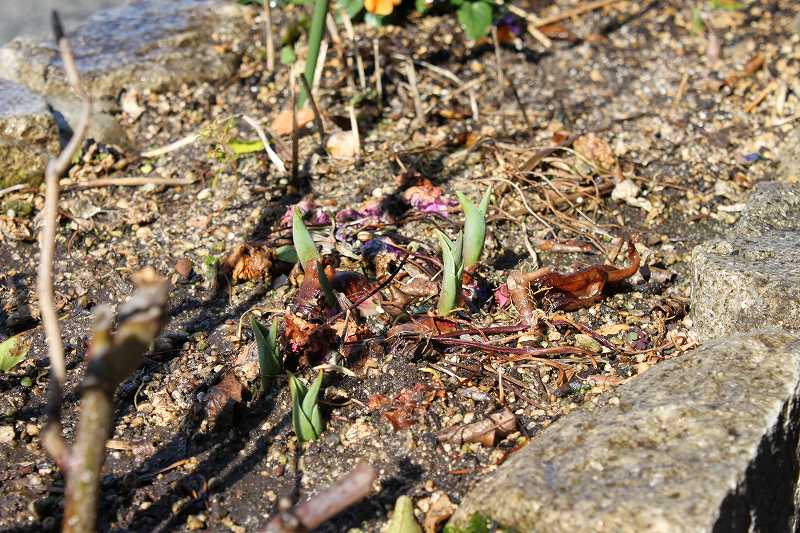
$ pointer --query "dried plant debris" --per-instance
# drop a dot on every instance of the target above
(558, 308)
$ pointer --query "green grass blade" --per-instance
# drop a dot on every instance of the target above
(310, 399)
(474, 230)
(314, 40)
(447, 294)
(269, 363)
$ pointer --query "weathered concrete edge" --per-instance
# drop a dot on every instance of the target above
(755, 497)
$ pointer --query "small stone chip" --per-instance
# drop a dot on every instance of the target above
(184, 267)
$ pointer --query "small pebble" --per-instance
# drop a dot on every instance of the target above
(184, 267)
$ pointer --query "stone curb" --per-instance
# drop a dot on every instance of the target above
(751, 278)
(703, 442)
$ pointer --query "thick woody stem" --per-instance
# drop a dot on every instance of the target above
(112, 358)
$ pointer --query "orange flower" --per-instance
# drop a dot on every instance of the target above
(381, 7)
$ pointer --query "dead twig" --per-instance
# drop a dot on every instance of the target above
(317, 115)
(323, 506)
(132, 181)
(411, 74)
(52, 440)
(268, 37)
(580, 10)
(263, 136)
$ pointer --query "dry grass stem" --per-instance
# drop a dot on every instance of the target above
(177, 145)
(411, 74)
(268, 37)
(376, 50)
(317, 115)
(261, 135)
(133, 181)
(580, 10)
(323, 53)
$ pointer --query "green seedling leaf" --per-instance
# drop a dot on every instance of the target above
(303, 243)
(306, 416)
(242, 147)
(451, 274)
(269, 360)
(403, 519)
(475, 18)
(474, 228)
(12, 351)
(286, 253)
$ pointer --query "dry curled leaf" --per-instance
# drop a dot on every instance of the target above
(307, 341)
(567, 291)
(409, 404)
(248, 263)
(224, 394)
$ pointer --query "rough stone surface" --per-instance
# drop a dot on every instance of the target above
(789, 167)
(752, 277)
(772, 206)
(147, 44)
(704, 442)
(28, 135)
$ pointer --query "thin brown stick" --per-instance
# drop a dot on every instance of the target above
(411, 74)
(376, 51)
(127, 182)
(580, 10)
(317, 115)
(295, 134)
(508, 79)
(323, 506)
(354, 128)
(268, 37)
(52, 439)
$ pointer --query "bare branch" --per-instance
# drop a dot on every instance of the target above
(51, 437)
(112, 356)
(323, 506)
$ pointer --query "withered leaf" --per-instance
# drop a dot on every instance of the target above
(248, 263)
(224, 394)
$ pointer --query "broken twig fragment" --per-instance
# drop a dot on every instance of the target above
(487, 431)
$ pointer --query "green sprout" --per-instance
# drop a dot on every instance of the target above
(270, 363)
(314, 40)
(451, 273)
(307, 252)
(306, 417)
(474, 228)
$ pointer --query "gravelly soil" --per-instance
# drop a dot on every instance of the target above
(671, 105)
